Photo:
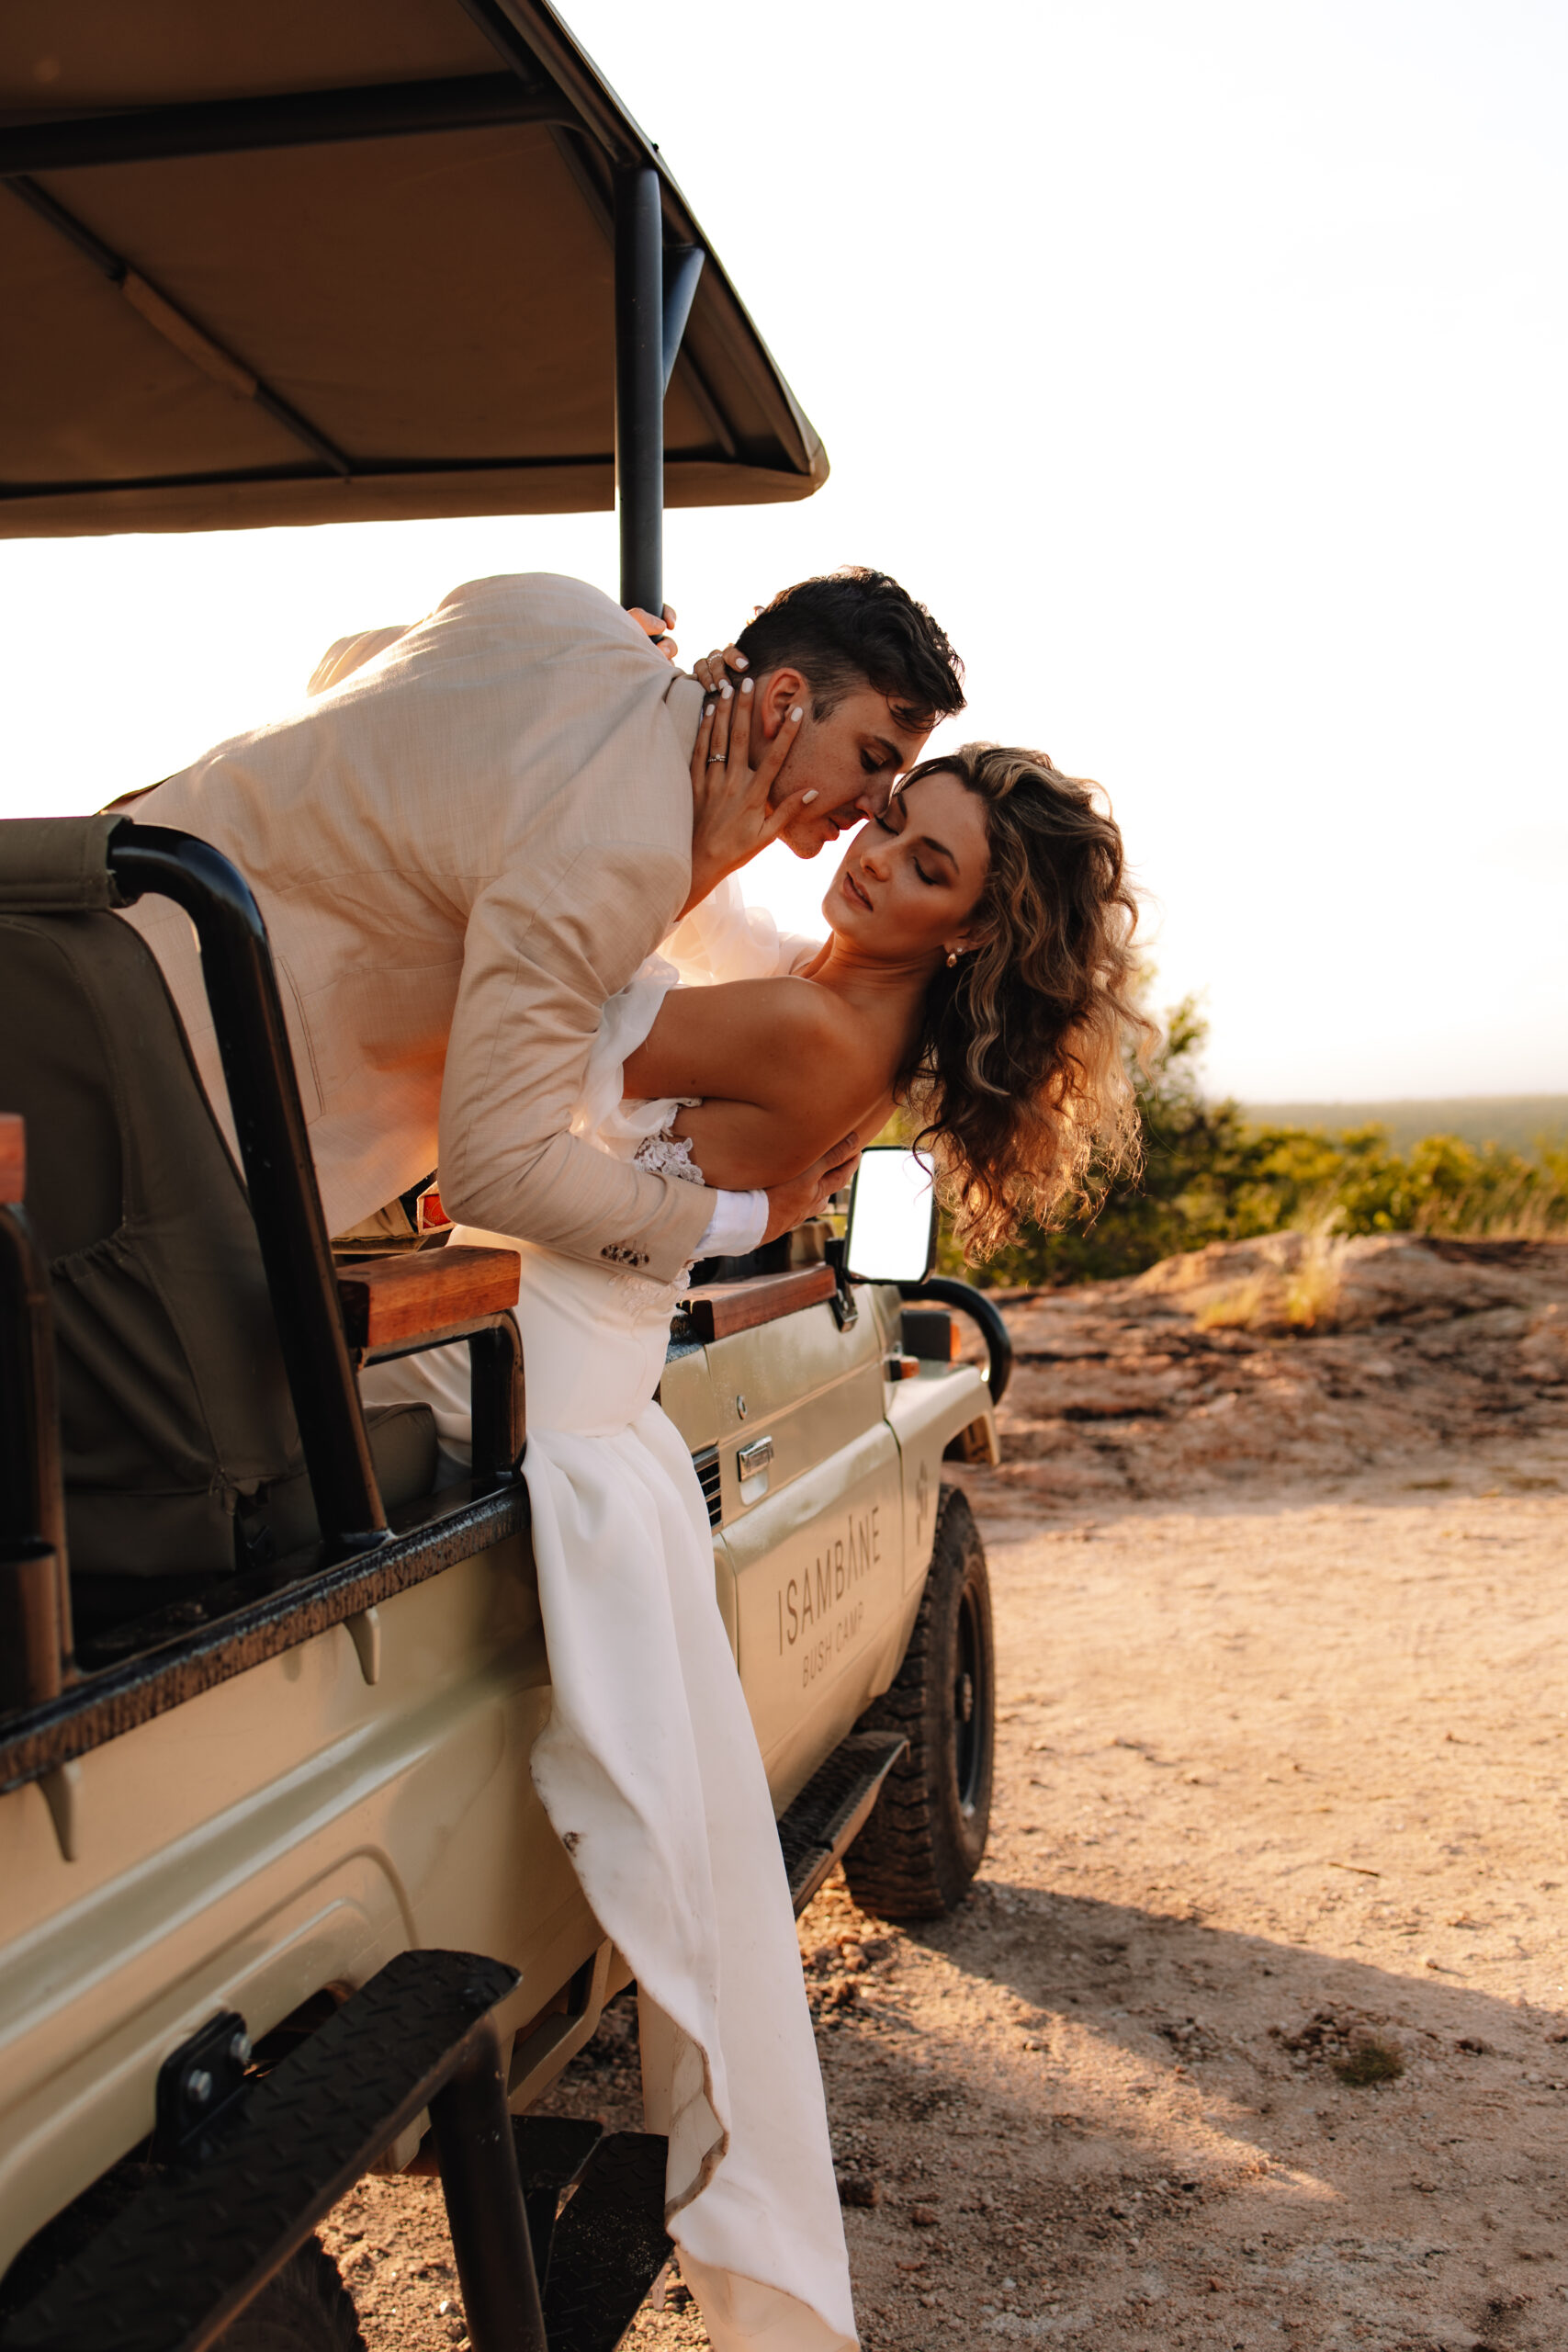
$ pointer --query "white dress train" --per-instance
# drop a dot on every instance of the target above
(649, 1767)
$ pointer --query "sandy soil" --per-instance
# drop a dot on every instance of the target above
(1281, 1773)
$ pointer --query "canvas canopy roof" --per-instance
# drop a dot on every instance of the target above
(310, 261)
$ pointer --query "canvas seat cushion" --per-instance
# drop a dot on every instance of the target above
(180, 1452)
(403, 1446)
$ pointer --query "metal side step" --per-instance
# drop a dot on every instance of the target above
(830, 1810)
(178, 2262)
(609, 2243)
(551, 2152)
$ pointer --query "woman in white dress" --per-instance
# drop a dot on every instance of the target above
(979, 969)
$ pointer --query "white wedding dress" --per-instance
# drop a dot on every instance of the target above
(649, 1769)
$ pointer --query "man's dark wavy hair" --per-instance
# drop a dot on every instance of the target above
(852, 627)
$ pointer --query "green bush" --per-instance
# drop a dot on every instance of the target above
(1208, 1175)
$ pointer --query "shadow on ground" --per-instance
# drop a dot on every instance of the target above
(1091, 2121)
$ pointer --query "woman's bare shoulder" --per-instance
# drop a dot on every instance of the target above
(800, 1014)
(819, 1045)
(799, 1004)
(782, 1006)
(733, 1039)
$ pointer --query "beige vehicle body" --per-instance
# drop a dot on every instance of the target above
(303, 1807)
(286, 1832)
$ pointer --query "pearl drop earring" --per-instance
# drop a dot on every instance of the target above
(952, 958)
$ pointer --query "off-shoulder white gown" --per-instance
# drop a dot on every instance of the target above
(649, 1769)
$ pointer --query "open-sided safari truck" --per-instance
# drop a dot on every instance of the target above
(277, 1903)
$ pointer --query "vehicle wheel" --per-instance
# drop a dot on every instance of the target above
(305, 2307)
(927, 1834)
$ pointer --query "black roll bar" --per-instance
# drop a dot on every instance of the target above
(294, 119)
(274, 1153)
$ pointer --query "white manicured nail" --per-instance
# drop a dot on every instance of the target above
(725, 691)
(807, 799)
(797, 713)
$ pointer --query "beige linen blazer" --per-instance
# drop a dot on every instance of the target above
(460, 849)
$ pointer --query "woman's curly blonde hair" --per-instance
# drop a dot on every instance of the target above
(1020, 1074)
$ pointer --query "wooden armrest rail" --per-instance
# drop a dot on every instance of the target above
(387, 1301)
(13, 1160)
(717, 1309)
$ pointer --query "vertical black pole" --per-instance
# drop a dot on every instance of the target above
(484, 2205)
(639, 386)
(496, 1395)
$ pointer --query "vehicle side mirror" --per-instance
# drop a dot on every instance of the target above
(892, 1229)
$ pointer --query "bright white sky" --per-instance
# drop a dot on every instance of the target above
(1203, 369)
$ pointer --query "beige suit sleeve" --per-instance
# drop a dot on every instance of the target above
(534, 981)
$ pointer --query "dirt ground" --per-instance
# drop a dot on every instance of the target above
(1254, 2029)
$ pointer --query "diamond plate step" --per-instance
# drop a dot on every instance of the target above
(830, 1810)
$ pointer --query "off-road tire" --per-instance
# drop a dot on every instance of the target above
(926, 1835)
(305, 2307)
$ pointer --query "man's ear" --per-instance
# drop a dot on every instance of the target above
(776, 694)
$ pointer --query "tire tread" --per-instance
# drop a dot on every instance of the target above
(899, 1867)
(306, 2308)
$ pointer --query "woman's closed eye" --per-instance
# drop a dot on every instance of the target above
(887, 827)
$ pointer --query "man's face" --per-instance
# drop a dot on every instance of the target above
(849, 760)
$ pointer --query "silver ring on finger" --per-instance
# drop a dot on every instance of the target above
(717, 759)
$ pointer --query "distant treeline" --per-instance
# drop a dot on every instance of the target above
(1530, 1124)
(1215, 1172)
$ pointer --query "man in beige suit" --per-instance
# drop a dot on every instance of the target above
(475, 836)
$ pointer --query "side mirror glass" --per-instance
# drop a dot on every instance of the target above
(892, 1229)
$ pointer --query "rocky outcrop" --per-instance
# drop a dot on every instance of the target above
(1288, 1357)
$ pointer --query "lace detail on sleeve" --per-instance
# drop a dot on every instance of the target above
(668, 1155)
(662, 1155)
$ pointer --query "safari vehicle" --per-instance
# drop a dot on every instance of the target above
(279, 1903)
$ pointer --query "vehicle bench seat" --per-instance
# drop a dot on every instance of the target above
(180, 1452)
